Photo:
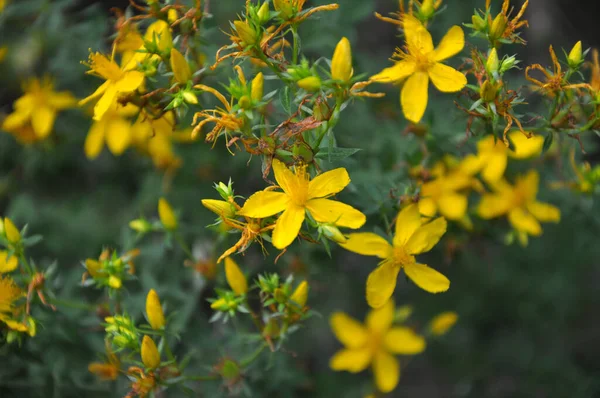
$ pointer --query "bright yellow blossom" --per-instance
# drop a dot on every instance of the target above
(443, 322)
(300, 194)
(421, 62)
(166, 214)
(375, 344)
(7, 264)
(411, 237)
(114, 128)
(12, 232)
(235, 278)
(520, 204)
(154, 311)
(118, 81)
(38, 107)
(150, 355)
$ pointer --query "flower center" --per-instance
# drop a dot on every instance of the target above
(401, 257)
(299, 187)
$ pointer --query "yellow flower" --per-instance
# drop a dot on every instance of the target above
(38, 106)
(7, 264)
(12, 233)
(150, 355)
(118, 81)
(443, 322)
(114, 128)
(154, 310)
(520, 204)
(166, 214)
(300, 194)
(411, 237)
(9, 293)
(375, 344)
(341, 63)
(180, 67)
(235, 278)
(421, 62)
(492, 154)
(300, 295)
(155, 138)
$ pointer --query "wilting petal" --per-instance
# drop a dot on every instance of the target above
(447, 79)
(427, 278)
(414, 96)
(403, 340)
(523, 221)
(452, 43)
(264, 204)
(338, 213)
(381, 283)
(453, 206)
(407, 222)
(386, 370)
(396, 73)
(288, 226)
(328, 183)
(544, 212)
(379, 320)
(426, 236)
(348, 330)
(368, 244)
(353, 360)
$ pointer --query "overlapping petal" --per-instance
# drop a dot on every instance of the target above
(426, 236)
(451, 44)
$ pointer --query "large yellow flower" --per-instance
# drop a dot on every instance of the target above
(114, 128)
(374, 343)
(411, 237)
(421, 62)
(118, 81)
(300, 194)
(38, 106)
(520, 204)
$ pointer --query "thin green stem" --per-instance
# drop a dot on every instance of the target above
(71, 304)
(183, 245)
(295, 48)
(254, 356)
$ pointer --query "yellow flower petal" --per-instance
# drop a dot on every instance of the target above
(129, 82)
(394, 74)
(166, 214)
(379, 320)
(427, 278)
(107, 100)
(525, 147)
(7, 264)
(381, 283)
(348, 330)
(386, 370)
(447, 79)
(286, 178)
(12, 232)
(264, 204)
(42, 120)
(403, 340)
(414, 96)
(235, 278)
(523, 221)
(328, 183)
(442, 323)
(418, 38)
(451, 44)
(544, 212)
(426, 236)
(117, 135)
(99, 91)
(61, 100)
(427, 207)
(453, 206)
(332, 211)
(368, 244)
(495, 165)
(528, 184)
(353, 360)
(288, 226)
(407, 222)
(94, 142)
(492, 206)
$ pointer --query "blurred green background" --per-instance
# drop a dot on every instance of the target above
(528, 323)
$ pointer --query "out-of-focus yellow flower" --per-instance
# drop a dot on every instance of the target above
(235, 277)
(341, 62)
(300, 295)
(442, 323)
(7, 264)
(300, 194)
(154, 310)
(118, 81)
(411, 237)
(38, 107)
(9, 293)
(375, 344)
(150, 355)
(166, 214)
(519, 203)
(108, 370)
(155, 137)
(180, 67)
(420, 62)
(3, 52)
(159, 37)
(114, 128)
(12, 232)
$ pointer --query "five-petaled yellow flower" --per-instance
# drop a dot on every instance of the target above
(38, 106)
(301, 195)
(374, 343)
(520, 203)
(420, 62)
(411, 237)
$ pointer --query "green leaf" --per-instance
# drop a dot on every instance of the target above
(548, 142)
(334, 154)
(286, 100)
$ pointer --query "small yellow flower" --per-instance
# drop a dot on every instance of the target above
(166, 214)
(118, 81)
(180, 67)
(341, 62)
(7, 264)
(154, 310)
(300, 295)
(421, 62)
(9, 293)
(375, 344)
(114, 128)
(38, 107)
(235, 278)
(300, 194)
(520, 204)
(411, 237)
(150, 355)
(12, 232)
(442, 323)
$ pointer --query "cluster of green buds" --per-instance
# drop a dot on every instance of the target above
(109, 270)
(122, 333)
(495, 68)
(248, 96)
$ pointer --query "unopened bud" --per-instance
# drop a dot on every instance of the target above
(478, 23)
(427, 9)
(245, 32)
(285, 8)
(498, 27)
(300, 295)
(332, 232)
(575, 56)
(150, 355)
(310, 83)
(488, 91)
(257, 88)
(190, 97)
(492, 64)
(263, 13)
(341, 62)
(12, 233)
